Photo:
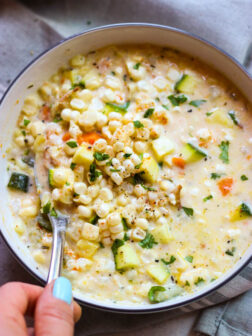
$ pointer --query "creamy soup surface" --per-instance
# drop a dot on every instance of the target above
(149, 152)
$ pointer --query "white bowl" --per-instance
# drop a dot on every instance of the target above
(47, 64)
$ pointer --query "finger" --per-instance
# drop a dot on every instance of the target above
(55, 314)
(17, 299)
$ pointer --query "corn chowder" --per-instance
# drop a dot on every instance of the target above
(149, 152)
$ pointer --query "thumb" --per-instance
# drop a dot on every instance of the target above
(55, 312)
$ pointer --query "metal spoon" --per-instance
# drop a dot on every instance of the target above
(59, 223)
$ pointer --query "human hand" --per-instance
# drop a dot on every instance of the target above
(52, 307)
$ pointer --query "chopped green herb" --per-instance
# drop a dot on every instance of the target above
(28, 160)
(81, 85)
(197, 103)
(230, 252)
(138, 165)
(208, 114)
(224, 147)
(94, 220)
(207, 198)
(127, 155)
(46, 208)
(136, 66)
(184, 76)
(246, 209)
(94, 173)
(101, 156)
(113, 73)
(23, 132)
(44, 222)
(53, 213)
(26, 122)
(72, 144)
(113, 170)
(177, 100)
(125, 225)
(188, 211)
(165, 107)
(157, 99)
(57, 118)
(199, 281)
(148, 241)
(109, 163)
(189, 259)
(169, 262)
(75, 194)
(148, 113)
(233, 117)
(244, 178)
(72, 165)
(138, 124)
(148, 188)
(126, 237)
(160, 164)
(187, 283)
(119, 108)
(215, 176)
(154, 294)
(101, 245)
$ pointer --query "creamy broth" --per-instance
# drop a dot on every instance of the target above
(149, 153)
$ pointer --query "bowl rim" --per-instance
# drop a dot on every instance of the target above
(141, 309)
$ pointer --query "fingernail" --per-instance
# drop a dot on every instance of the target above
(62, 289)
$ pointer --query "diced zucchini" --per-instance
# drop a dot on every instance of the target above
(29, 160)
(126, 257)
(150, 169)
(86, 248)
(158, 272)
(161, 147)
(186, 84)
(19, 181)
(243, 211)
(58, 177)
(111, 107)
(192, 153)
(44, 222)
(162, 234)
(84, 156)
(219, 116)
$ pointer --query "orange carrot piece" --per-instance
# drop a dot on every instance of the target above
(88, 137)
(45, 111)
(66, 136)
(225, 185)
(179, 162)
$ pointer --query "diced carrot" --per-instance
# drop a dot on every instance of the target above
(66, 136)
(179, 162)
(88, 137)
(45, 111)
(225, 185)
(248, 157)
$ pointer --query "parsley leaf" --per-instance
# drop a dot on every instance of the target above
(26, 122)
(125, 225)
(138, 124)
(208, 114)
(81, 85)
(117, 243)
(53, 213)
(244, 178)
(127, 155)
(215, 176)
(188, 211)
(165, 107)
(189, 259)
(93, 172)
(113, 170)
(137, 179)
(72, 144)
(119, 108)
(148, 241)
(230, 252)
(197, 103)
(199, 281)
(148, 188)
(72, 165)
(171, 261)
(245, 209)
(136, 66)
(101, 156)
(207, 198)
(224, 147)
(233, 117)
(57, 118)
(177, 100)
(93, 220)
(148, 113)
(47, 208)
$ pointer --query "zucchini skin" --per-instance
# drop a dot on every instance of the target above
(19, 181)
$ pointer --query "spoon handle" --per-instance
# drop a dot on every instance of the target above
(59, 233)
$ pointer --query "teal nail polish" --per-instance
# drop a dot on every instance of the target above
(62, 289)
